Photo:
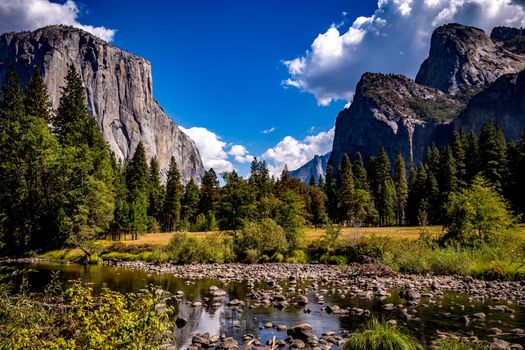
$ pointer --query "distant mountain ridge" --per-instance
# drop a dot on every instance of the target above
(119, 91)
(315, 167)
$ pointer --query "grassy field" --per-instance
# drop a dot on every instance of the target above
(158, 240)
(413, 232)
(161, 239)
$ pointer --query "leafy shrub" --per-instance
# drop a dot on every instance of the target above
(477, 215)
(183, 249)
(377, 335)
(110, 320)
(261, 238)
(298, 257)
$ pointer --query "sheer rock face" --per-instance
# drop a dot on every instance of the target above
(503, 102)
(393, 112)
(464, 58)
(118, 90)
(315, 168)
(513, 39)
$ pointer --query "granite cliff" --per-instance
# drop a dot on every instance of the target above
(119, 91)
(468, 78)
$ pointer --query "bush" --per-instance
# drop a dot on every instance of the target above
(377, 335)
(183, 249)
(298, 257)
(260, 238)
(477, 215)
(109, 320)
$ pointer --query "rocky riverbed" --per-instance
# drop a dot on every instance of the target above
(312, 306)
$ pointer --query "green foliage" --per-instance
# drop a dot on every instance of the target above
(172, 201)
(377, 335)
(291, 217)
(11, 97)
(109, 320)
(237, 202)
(451, 344)
(183, 249)
(401, 186)
(190, 201)
(36, 97)
(345, 190)
(263, 238)
(477, 215)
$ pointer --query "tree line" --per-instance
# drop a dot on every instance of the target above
(62, 186)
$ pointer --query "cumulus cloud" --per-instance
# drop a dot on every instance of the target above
(18, 15)
(240, 154)
(211, 148)
(294, 153)
(394, 39)
(268, 131)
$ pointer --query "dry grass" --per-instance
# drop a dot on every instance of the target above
(411, 233)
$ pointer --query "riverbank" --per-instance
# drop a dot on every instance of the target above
(253, 303)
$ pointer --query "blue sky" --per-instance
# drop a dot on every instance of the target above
(218, 64)
(228, 70)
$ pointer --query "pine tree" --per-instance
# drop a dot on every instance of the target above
(259, 178)
(12, 97)
(382, 187)
(36, 97)
(316, 206)
(89, 193)
(472, 157)
(137, 182)
(492, 154)
(311, 181)
(172, 201)
(155, 191)
(331, 193)
(71, 116)
(190, 202)
(120, 223)
(209, 192)
(360, 176)
(459, 149)
(448, 179)
(345, 190)
(401, 185)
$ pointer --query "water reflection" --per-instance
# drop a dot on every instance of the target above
(429, 316)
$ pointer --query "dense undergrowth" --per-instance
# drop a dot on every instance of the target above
(77, 318)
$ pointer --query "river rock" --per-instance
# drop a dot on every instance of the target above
(301, 331)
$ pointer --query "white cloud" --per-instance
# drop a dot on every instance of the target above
(211, 148)
(268, 131)
(337, 58)
(17, 15)
(294, 153)
(240, 154)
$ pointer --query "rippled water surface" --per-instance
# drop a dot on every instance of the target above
(442, 316)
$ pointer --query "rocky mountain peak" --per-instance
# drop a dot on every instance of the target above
(464, 58)
(119, 91)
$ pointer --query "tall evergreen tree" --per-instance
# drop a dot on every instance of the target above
(12, 96)
(137, 182)
(209, 192)
(345, 190)
(237, 202)
(320, 182)
(401, 185)
(492, 154)
(172, 200)
(155, 191)
(36, 97)
(360, 175)
(331, 193)
(190, 202)
(459, 151)
(382, 187)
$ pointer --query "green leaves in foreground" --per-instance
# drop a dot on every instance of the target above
(81, 319)
(377, 335)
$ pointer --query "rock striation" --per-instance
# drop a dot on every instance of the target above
(119, 91)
